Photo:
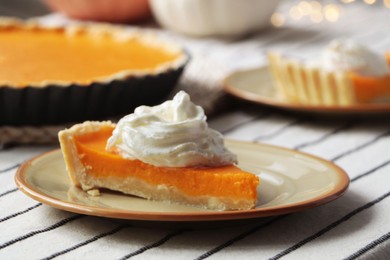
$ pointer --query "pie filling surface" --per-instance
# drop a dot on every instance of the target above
(368, 89)
(30, 56)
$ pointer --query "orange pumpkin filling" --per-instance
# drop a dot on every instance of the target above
(226, 181)
(32, 56)
(367, 89)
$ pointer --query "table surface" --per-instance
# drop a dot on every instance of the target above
(355, 226)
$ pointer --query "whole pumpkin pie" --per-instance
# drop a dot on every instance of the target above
(79, 72)
(165, 153)
(347, 73)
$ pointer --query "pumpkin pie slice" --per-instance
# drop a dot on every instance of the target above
(91, 166)
(303, 84)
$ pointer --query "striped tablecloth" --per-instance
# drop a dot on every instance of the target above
(356, 226)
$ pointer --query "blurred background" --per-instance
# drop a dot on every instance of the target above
(292, 10)
(299, 9)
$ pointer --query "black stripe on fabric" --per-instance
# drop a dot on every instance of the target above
(324, 137)
(262, 115)
(369, 247)
(238, 238)
(36, 232)
(331, 226)
(370, 171)
(359, 147)
(9, 168)
(155, 244)
(86, 242)
(20, 212)
(8, 192)
(279, 130)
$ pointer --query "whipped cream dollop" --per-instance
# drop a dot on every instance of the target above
(348, 55)
(173, 134)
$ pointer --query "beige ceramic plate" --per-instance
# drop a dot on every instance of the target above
(290, 181)
(256, 85)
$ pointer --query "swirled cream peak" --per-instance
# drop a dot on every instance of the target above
(347, 55)
(173, 134)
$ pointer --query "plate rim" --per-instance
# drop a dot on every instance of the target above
(274, 102)
(337, 191)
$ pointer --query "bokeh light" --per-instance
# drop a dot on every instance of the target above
(332, 12)
(295, 13)
(278, 19)
(317, 11)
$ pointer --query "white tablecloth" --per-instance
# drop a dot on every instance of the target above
(355, 226)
